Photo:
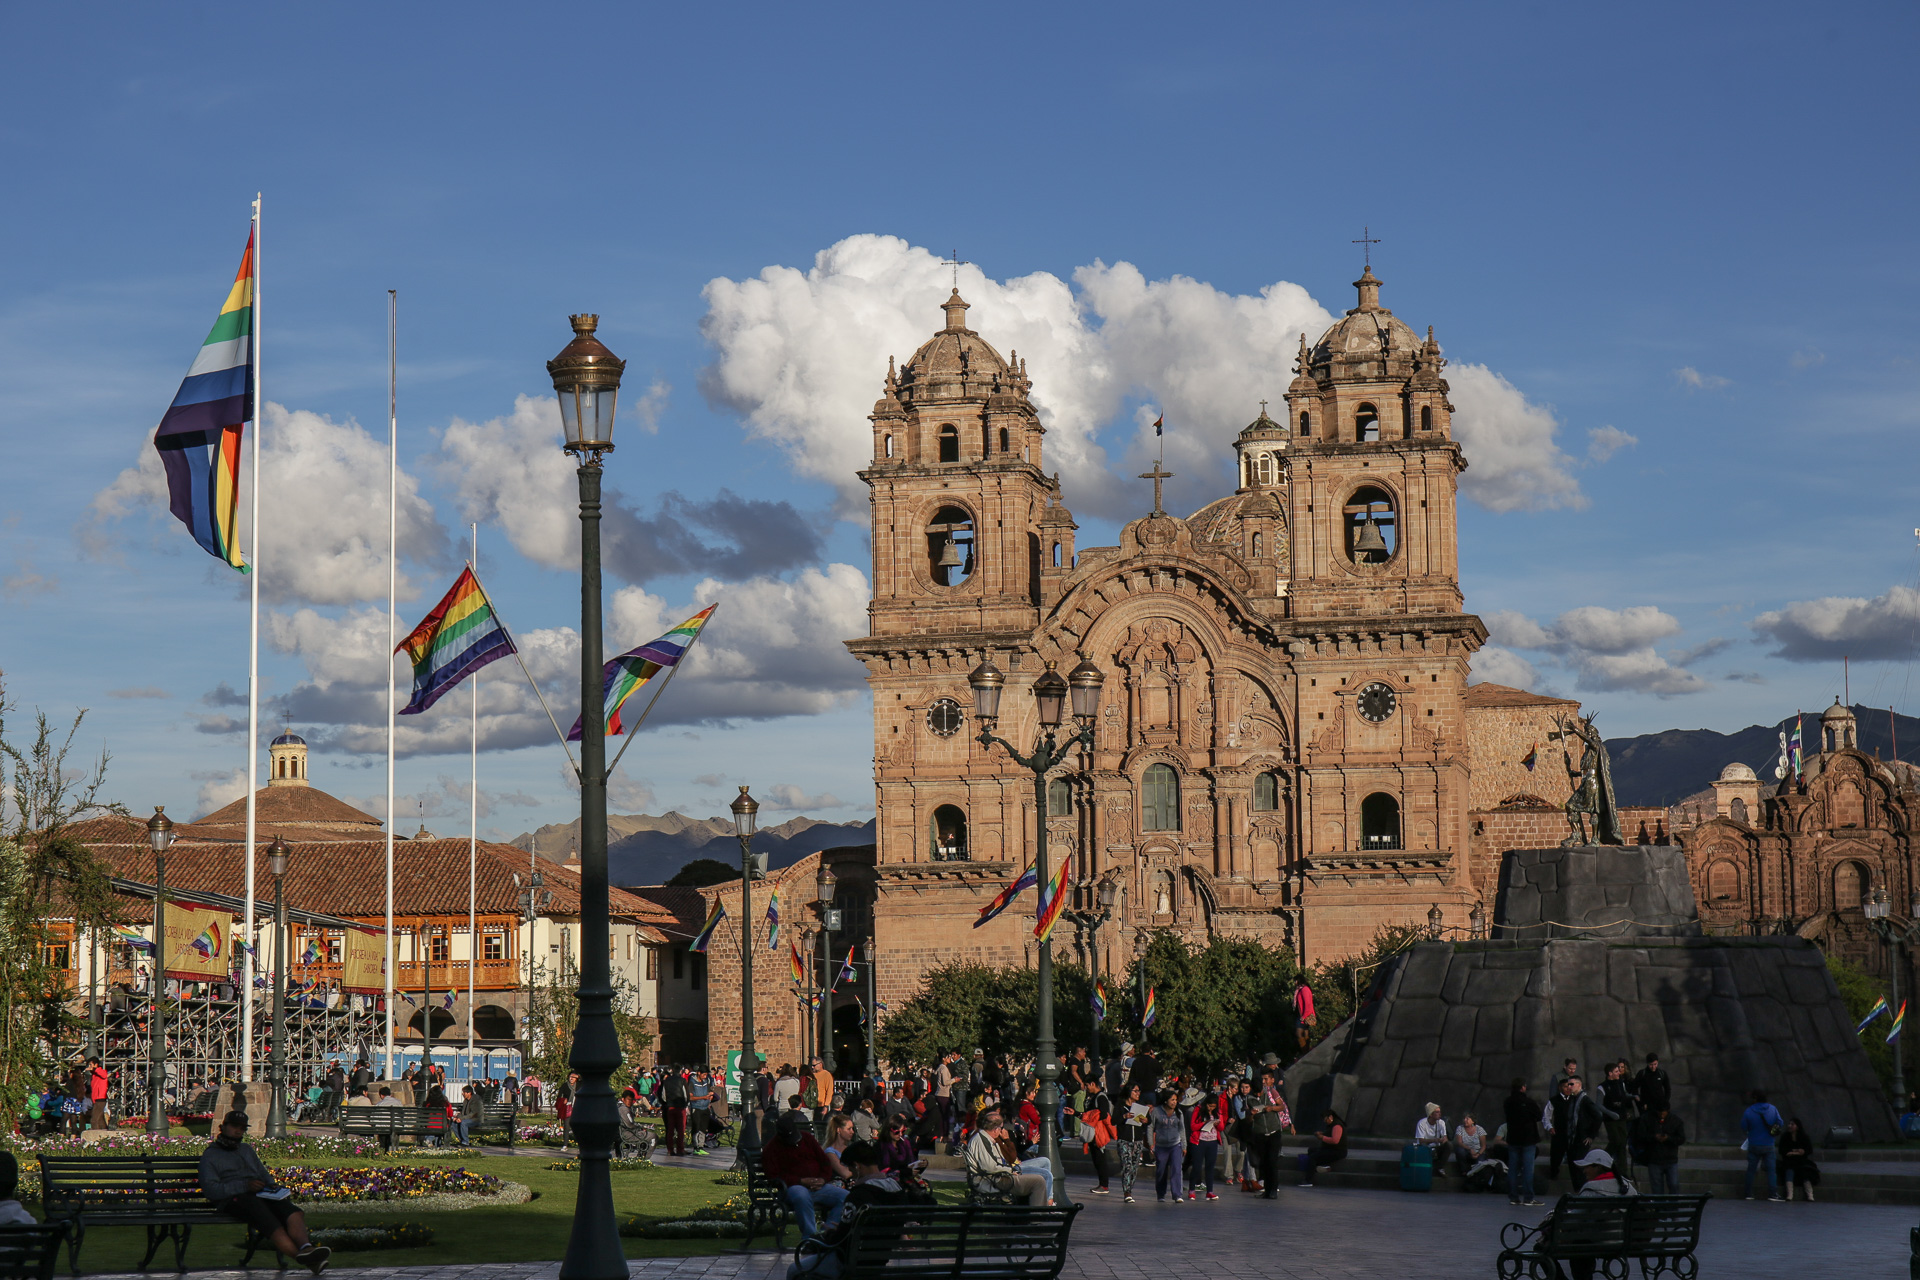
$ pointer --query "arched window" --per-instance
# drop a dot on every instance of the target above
(1003, 439)
(1056, 555)
(950, 546)
(1723, 882)
(1372, 532)
(1850, 883)
(1380, 822)
(1256, 546)
(1264, 468)
(1059, 798)
(1737, 810)
(949, 443)
(1306, 424)
(1426, 417)
(1266, 793)
(1160, 799)
(889, 446)
(1366, 423)
(948, 834)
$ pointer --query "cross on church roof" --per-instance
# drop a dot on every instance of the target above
(956, 262)
(1366, 241)
(1158, 474)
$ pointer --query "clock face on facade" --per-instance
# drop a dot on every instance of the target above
(1376, 702)
(944, 717)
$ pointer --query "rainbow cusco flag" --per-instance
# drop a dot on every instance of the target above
(199, 436)
(459, 637)
(626, 673)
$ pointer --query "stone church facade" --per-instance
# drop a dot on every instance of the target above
(1285, 748)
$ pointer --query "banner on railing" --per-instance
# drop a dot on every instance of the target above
(198, 943)
(361, 970)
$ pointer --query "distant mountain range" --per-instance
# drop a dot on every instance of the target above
(649, 849)
(1665, 768)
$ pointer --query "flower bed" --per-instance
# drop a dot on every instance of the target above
(551, 1133)
(727, 1218)
(573, 1166)
(395, 1182)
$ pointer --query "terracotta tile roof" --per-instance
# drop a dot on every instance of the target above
(348, 878)
(1488, 694)
(294, 806)
(677, 909)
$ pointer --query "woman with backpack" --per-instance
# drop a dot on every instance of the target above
(1095, 1127)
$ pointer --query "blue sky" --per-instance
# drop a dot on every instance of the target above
(1669, 251)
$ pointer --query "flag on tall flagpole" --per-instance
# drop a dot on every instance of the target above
(1793, 746)
(624, 676)
(1004, 899)
(705, 935)
(1052, 900)
(459, 637)
(1879, 1007)
(1160, 425)
(1099, 1000)
(773, 921)
(793, 962)
(1148, 1013)
(1899, 1021)
(199, 436)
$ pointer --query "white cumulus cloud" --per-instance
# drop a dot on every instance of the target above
(1694, 380)
(1503, 666)
(1604, 442)
(1830, 627)
(801, 355)
(1606, 649)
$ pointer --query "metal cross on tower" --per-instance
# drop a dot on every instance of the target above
(956, 262)
(1158, 474)
(1366, 243)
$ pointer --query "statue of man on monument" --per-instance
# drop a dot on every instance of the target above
(1592, 785)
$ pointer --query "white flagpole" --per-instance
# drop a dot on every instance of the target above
(393, 548)
(473, 834)
(253, 664)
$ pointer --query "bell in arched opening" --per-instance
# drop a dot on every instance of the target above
(950, 557)
(1368, 544)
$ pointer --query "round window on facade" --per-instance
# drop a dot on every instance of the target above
(945, 717)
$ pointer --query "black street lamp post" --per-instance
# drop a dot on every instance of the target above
(1107, 895)
(745, 807)
(825, 887)
(1050, 694)
(872, 953)
(1878, 909)
(277, 1058)
(160, 836)
(586, 378)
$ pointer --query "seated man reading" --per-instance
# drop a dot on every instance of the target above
(810, 1173)
(232, 1176)
(992, 1158)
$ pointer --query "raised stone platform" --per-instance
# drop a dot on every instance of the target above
(1456, 1022)
(1602, 891)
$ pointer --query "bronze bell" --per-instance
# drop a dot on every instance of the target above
(950, 555)
(1368, 541)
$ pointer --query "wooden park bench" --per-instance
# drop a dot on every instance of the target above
(495, 1117)
(30, 1252)
(387, 1122)
(1661, 1231)
(912, 1242)
(767, 1209)
(160, 1193)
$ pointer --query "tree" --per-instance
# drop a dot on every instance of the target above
(1228, 1002)
(702, 872)
(1858, 991)
(966, 1006)
(556, 1012)
(40, 861)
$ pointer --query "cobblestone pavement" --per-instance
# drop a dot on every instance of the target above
(1314, 1234)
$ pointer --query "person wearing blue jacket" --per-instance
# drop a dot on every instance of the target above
(1761, 1124)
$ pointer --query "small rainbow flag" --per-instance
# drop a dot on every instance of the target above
(1053, 900)
(448, 1002)
(208, 943)
(198, 439)
(847, 973)
(1148, 1014)
(312, 953)
(773, 921)
(1532, 757)
(1004, 899)
(705, 935)
(1879, 1007)
(813, 1000)
(632, 669)
(1099, 1001)
(135, 939)
(409, 999)
(793, 961)
(1899, 1021)
(460, 636)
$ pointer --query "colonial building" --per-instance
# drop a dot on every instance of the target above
(1285, 747)
(1804, 854)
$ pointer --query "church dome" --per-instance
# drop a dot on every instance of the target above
(1220, 521)
(1367, 331)
(289, 739)
(1264, 428)
(1837, 712)
(1736, 772)
(957, 362)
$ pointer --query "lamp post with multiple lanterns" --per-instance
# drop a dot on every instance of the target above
(1089, 922)
(1050, 695)
(160, 836)
(826, 887)
(586, 378)
(277, 1058)
(871, 953)
(1878, 908)
(745, 811)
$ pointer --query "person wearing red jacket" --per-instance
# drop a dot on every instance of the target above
(807, 1171)
(1207, 1126)
(1303, 1012)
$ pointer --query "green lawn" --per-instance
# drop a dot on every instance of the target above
(536, 1231)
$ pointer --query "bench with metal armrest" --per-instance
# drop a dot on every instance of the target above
(1662, 1232)
(160, 1193)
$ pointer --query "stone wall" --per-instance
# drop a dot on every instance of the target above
(1596, 891)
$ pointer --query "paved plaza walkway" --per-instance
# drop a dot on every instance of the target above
(1310, 1234)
